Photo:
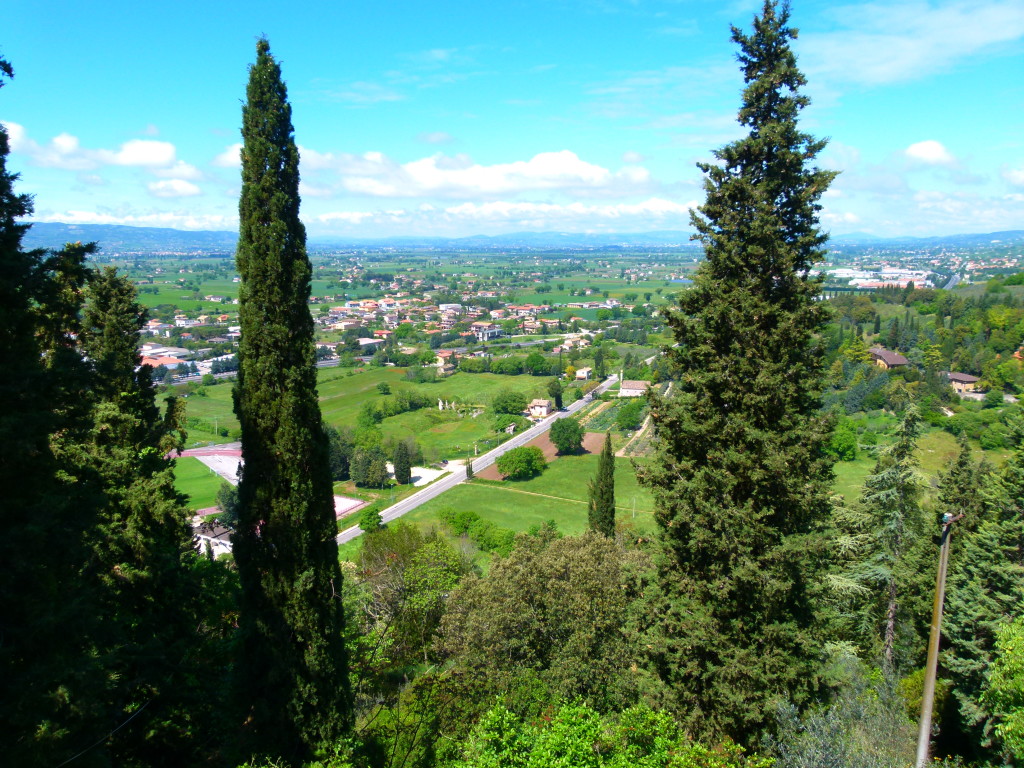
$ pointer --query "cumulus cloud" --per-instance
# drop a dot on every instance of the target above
(900, 41)
(231, 157)
(632, 158)
(376, 175)
(173, 188)
(180, 170)
(930, 152)
(64, 151)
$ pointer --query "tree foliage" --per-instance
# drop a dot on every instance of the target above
(601, 505)
(741, 476)
(291, 614)
(567, 435)
(522, 462)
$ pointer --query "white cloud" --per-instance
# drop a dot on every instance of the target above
(231, 157)
(172, 219)
(510, 216)
(173, 188)
(376, 175)
(180, 170)
(632, 157)
(66, 152)
(1015, 176)
(901, 41)
(930, 152)
(141, 152)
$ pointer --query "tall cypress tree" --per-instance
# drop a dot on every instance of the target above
(741, 476)
(291, 674)
(601, 510)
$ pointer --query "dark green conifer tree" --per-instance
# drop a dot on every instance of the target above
(555, 391)
(601, 509)
(742, 477)
(291, 671)
(403, 468)
(142, 543)
(986, 572)
(48, 700)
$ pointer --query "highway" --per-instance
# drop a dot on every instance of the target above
(458, 474)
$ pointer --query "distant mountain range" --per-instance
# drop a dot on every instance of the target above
(115, 239)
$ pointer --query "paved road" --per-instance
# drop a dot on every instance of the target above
(458, 474)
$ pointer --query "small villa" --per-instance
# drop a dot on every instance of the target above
(633, 388)
(883, 358)
(962, 382)
(540, 409)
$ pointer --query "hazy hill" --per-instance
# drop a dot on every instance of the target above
(115, 239)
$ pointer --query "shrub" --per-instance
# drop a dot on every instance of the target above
(567, 435)
(522, 462)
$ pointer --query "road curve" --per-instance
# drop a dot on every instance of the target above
(458, 474)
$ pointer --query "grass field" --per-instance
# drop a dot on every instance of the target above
(936, 451)
(559, 494)
(197, 481)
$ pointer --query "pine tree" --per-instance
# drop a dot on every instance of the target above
(291, 670)
(601, 509)
(741, 475)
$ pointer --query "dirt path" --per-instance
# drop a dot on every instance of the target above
(593, 442)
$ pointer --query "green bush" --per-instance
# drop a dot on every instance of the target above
(522, 462)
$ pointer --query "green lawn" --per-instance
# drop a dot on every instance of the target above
(520, 505)
(197, 481)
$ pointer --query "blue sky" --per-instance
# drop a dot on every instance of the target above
(457, 118)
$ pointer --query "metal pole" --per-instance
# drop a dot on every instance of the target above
(931, 667)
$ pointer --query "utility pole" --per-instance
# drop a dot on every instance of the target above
(931, 668)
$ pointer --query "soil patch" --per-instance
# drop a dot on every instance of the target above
(593, 442)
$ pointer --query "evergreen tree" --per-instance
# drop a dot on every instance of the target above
(986, 572)
(50, 700)
(555, 391)
(741, 475)
(601, 507)
(142, 544)
(291, 669)
(469, 469)
(403, 468)
(599, 370)
(894, 524)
